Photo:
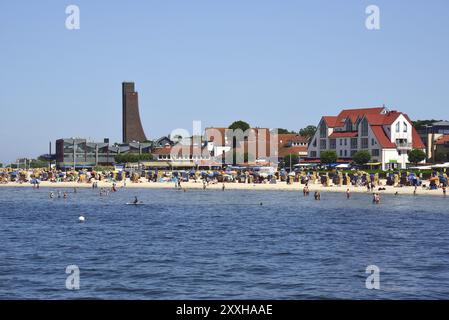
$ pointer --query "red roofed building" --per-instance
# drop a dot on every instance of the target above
(442, 148)
(387, 135)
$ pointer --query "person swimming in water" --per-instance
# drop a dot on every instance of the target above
(348, 194)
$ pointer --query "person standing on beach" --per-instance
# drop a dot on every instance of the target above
(444, 190)
(223, 187)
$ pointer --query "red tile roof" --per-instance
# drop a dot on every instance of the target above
(384, 119)
(291, 137)
(162, 151)
(444, 139)
(331, 121)
(285, 151)
(382, 138)
(416, 140)
(343, 135)
(354, 114)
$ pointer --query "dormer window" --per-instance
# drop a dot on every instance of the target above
(349, 126)
(405, 127)
(398, 127)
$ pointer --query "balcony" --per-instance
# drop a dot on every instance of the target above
(404, 146)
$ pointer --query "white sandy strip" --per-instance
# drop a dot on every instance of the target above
(280, 186)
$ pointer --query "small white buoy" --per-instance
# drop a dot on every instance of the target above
(81, 219)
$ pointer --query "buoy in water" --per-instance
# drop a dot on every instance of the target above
(81, 219)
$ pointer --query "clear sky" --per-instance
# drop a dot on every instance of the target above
(271, 63)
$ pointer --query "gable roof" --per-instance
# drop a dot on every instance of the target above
(331, 121)
(354, 114)
(285, 138)
(382, 138)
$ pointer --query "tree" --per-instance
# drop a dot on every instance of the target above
(38, 163)
(133, 157)
(285, 131)
(416, 155)
(328, 157)
(290, 160)
(421, 124)
(308, 132)
(240, 125)
(361, 157)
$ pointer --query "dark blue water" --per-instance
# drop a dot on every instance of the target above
(222, 245)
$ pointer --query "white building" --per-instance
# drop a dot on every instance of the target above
(387, 135)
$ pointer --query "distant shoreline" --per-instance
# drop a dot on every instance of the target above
(280, 186)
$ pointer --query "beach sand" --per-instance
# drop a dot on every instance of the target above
(280, 186)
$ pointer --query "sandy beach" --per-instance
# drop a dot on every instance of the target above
(280, 186)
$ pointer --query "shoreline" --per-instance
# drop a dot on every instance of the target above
(280, 186)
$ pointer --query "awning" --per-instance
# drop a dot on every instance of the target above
(376, 163)
(156, 164)
(182, 164)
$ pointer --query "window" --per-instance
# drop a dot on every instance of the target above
(375, 152)
(341, 153)
(353, 152)
(349, 125)
(405, 127)
(354, 143)
(373, 142)
(314, 143)
(346, 142)
(323, 131)
(364, 143)
(332, 144)
(364, 128)
(313, 154)
(398, 127)
(346, 153)
(341, 142)
(323, 144)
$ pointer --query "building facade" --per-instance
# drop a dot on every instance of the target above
(387, 135)
(79, 153)
(432, 136)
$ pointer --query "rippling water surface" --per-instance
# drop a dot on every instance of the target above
(222, 245)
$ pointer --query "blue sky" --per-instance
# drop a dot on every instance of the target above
(271, 63)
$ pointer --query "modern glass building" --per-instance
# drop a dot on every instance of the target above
(79, 153)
